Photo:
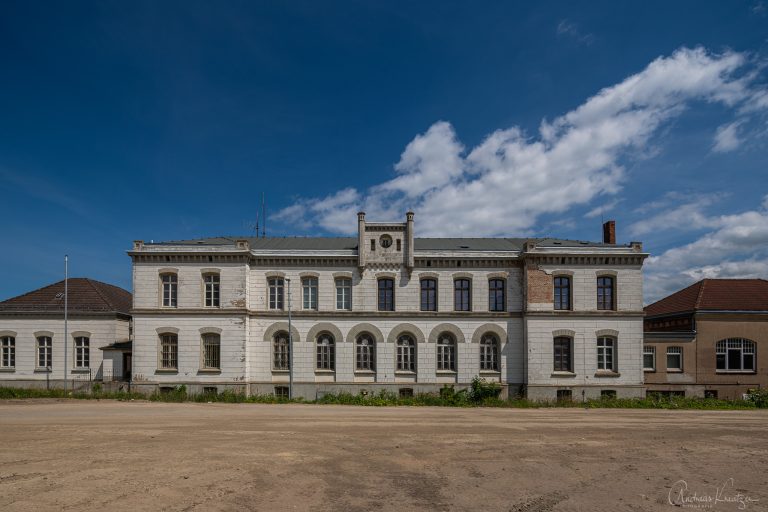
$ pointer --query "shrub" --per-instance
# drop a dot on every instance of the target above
(483, 391)
(759, 397)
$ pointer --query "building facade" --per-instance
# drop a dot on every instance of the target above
(32, 342)
(708, 340)
(385, 310)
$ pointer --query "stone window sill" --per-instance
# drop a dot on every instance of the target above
(674, 370)
(405, 373)
(43, 370)
(365, 372)
(80, 370)
(275, 370)
(649, 370)
(562, 374)
(490, 372)
(737, 372)
(209, 370)
(8, 369)
(325, 372)
(167, 370)
(446, 372)
(604, 373)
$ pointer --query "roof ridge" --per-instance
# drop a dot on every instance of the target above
(98, 291)
(700, 294)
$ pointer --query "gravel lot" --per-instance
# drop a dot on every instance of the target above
(81, 455)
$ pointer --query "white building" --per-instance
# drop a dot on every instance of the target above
(389, 311)
(32, 346)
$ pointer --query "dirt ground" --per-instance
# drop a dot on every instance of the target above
(78, 455)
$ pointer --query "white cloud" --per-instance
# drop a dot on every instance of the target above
(727, 138)
(602, 209)
(503, 185)
(737, 247)
(571, 29)
(687, 214)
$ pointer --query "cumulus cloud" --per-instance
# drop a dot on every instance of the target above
(602, 209)
(687, 214)
(727, 138)
(503, 185)
(737, 247)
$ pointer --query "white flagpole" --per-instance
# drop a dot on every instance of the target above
(66, 305)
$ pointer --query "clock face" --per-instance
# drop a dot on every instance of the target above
(385, 241)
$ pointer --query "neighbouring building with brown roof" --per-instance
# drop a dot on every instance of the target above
(32, 342)
(710, 339)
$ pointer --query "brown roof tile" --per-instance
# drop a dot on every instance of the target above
(85, 295)
(715, 295)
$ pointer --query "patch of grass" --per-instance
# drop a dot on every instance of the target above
(11, 393)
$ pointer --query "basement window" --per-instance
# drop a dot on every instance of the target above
(281, 392)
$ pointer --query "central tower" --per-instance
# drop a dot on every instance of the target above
(385, 245)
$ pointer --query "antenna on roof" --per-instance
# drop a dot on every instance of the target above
(264, 218)
(257, 223)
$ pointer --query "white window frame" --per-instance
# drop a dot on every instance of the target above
(678, 353)
(489, 353)
(325, 352)
(405, 354)
(210, 344)
(169, 289)
(649, 350)
(212, 290)
(744, 346)
(446, 353)
(276, 293)
(365, 353)
(168, 353)
(44, 349)
(281, 352)
(309, 291)
(606, 349)
(8, 356)
(344, 293)
(82, 352)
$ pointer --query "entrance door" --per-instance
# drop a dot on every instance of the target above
(126, 366)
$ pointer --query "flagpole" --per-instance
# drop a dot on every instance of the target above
(66, 306)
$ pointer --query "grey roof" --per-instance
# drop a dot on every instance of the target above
(350, 243)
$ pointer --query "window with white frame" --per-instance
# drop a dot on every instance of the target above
(281, 359)
(406, 353)
(212, 290)
(735, 355)
(169, 351)
(365, 353)
(446, 352)
(211, 351)
(489, 353)
(309, 292)
(674, 358)
(606, 354)
(344, 293)
(8, 347)
(44, 352)
(276, 292)
(82, 352)
(326, 353)
(649, 358)
(170, 285)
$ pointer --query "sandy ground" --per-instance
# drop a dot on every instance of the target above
(77, 455)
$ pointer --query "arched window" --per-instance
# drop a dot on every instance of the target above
(281, 351)
(211, 351)
(169, 351)
(82, 352)
(462, 295)
(606, 354)
(212, 290)
(8, 346)
(562, 292)
(429, 294)
(735, 355)
(606, 293)
(562, 352)
(326, 353)
(170, 285)
(406, 353)
(386, 294)
(446, 352)
(496, 295)
(489, 353)
(365, 353)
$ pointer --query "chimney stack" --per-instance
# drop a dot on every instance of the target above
(361, 239)
(609, 232)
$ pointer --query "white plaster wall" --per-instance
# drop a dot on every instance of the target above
(147, 340)
(101, 331)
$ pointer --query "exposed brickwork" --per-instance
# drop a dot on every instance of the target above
(539, 287)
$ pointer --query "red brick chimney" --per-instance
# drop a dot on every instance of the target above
(609, 232)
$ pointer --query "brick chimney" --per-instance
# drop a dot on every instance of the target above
(609, 232)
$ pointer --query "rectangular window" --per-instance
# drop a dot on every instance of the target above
(674, 358)
(211, 351)
(326, 359)
(386, 294)
(399, 245)
(373, 245)
(607, 394)
(276, 292)
(564, 395)
(82, 352)
(735, 354)
(496, 295)
(309, 292)
(281, 352)
(562, 293)
(562, 352)
(649, 358)
(282, 392)
(8, 347)
(44, 352)
(212, 290)
(605, 354)
(429, 295)
(605, 293)
(365, 354)
(169, 351)
(710, 393)
(446, 353)
(344, 293)
(462, 293)
(406, 392)
(170, 290)
(406, 354)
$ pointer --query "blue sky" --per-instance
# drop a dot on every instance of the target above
(167, 120)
